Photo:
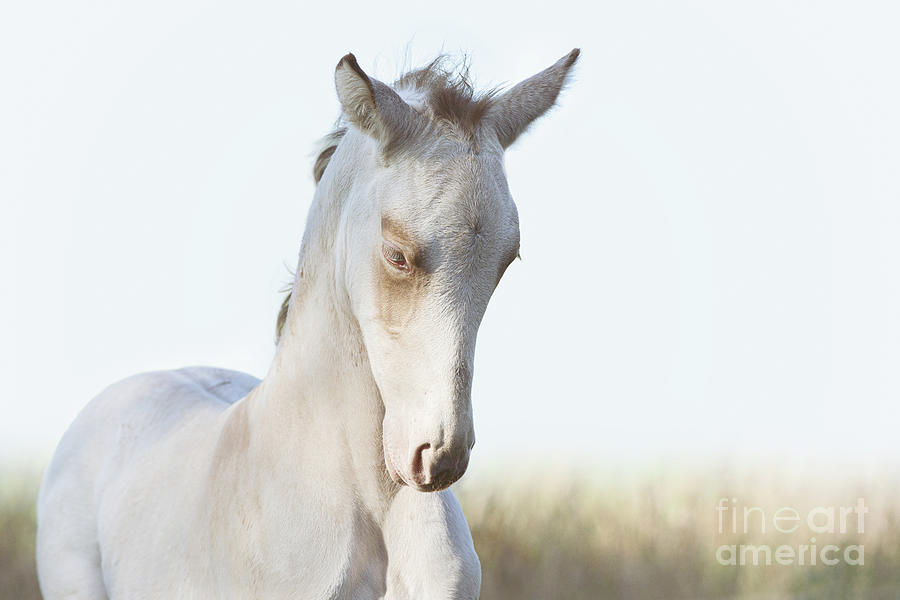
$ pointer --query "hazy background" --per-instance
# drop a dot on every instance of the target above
(709, 219)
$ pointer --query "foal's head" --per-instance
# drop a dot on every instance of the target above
(426, 232)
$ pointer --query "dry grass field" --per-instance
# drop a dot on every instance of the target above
(18, 488)
(645, 534)
(654, 535)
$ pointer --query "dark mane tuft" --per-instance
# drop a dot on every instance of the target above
(450, 93)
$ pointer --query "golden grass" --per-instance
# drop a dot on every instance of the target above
(18, 578)
(652, 533)
(640, 534)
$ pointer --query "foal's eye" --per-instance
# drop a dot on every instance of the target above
(394, 256)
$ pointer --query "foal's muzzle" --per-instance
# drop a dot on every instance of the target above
(431, 467)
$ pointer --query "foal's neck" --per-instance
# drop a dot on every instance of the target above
(319, 397)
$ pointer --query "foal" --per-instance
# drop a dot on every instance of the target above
(327, 479)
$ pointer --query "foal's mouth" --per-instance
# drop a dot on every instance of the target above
(396, 477)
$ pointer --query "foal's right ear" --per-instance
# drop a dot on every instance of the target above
(372, 106)
(512, 112)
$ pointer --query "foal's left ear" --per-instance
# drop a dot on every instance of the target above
(513, 111)
(372, 106)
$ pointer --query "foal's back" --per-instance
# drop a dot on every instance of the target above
(115, 449)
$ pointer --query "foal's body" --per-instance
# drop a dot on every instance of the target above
(166, 484)
(327, 479)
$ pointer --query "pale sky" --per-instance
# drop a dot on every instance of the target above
(709, 218)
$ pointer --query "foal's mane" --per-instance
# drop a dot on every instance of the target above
(450, 102)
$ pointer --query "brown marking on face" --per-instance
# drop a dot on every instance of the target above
(398, 292)
(398, 234)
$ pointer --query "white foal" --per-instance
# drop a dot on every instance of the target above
(328, 478)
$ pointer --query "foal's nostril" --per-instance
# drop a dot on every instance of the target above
(419, 473)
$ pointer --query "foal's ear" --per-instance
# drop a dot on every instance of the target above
(513, 111)
(372, 106)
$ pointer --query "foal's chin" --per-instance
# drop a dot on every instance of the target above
(432, 486)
